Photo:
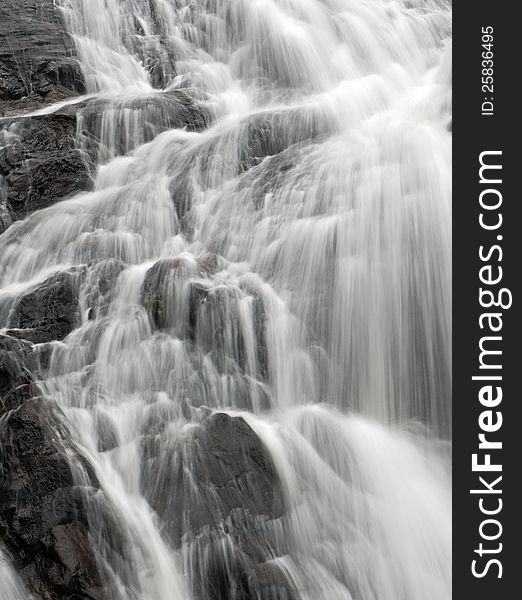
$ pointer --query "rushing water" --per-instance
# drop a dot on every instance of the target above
(11, 588)
(305, 243)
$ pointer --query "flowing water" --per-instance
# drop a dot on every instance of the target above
(11, 588)
(288, 262)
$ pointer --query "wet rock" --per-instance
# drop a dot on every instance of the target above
(161, 294)
(109, 128)
(16, 364)
(234, 460)
(41, 163)
(49, 312)
(43, 511)
(99, 285)
(43, 519)
(271, 175)
(210, 263)
(158, 285)
(6, 216)
(182, 298)
(219, 493)
(263, 135)
(106, 430)
(37, 58)
(220, 467)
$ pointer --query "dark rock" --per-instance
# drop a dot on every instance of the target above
(266, 134)
(271, 174)
(37, 62)
(233, 459)
(99, 284)
(43, 511)
(43, 518)
(210, 263)
(41, 163)
(106, 431)
(219, 493)
(158, 291)
(16, 364)
(49, 312)
(6, 216)
(178, 298)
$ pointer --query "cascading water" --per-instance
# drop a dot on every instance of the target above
(11, 588)
(289, 263)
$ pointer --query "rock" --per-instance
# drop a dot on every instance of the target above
(264, 134)
(41, 162)
(113, 127)
(106, 431)
(6, 216)
(49, 312)
(218, 492)
(43, 518)
(16, 364)
(162, 283)
(231, 458)
(271, 174)
(46, 158)
(99, 285)
(210, 263)
(37, 57)
(181, 297)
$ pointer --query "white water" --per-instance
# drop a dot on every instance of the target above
(11, 588)
(323, 184)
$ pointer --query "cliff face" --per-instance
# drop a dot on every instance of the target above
(45, 522)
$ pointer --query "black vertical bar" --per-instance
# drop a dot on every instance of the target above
(474, 133)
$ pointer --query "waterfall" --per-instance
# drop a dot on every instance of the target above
(268, 236)
(11, 587)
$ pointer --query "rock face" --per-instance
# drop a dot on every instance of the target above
(219, 493)
(50, 312)
(43, 518)
(37, 63)
(41, 163)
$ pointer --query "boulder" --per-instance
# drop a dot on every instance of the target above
(48, 312)
(162, 283)
(218, 492)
